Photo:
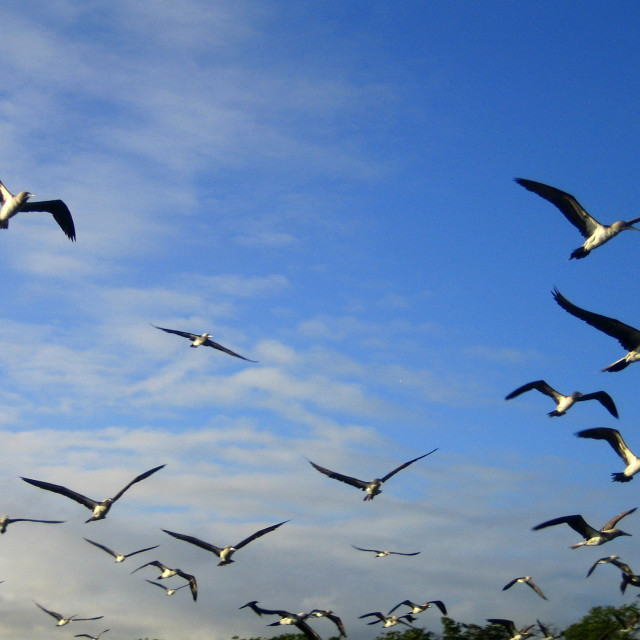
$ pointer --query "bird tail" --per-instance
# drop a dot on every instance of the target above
(620, 477)
(579, 253)
(618, 365)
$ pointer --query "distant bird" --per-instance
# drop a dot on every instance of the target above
(419, 608)
(546, 633)
(592, 537)
(203, 339)
(389, 621)
(5, 521)
(509, 625)
(62, 620)
(528, 580)
(372, 487)
(120, 557)
(564, 403)
(613, 437)
(596, 234)
(383, 553)
(99, 508)
(169, 591)
(12, 205)
(86, 635)
(224, 553)
(628, 577)
(327, 613)
(166, 572)
(627, 336)
(605, 560)
(286, 618)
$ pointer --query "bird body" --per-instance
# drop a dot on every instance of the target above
(528, 580)
(613, 437)
(169, 591)
(203, 339)
(383, 553)
(62, 620)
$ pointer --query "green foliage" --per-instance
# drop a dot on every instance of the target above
(601, 621)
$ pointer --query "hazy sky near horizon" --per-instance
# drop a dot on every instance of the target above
(327, 188)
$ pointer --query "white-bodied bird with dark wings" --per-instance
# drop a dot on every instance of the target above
(613, 437)
(564, 403)
(203, 339)
(419, 608)
(372, 487)
(286, 618)
(62, 620)
(514, 632)
(100, 508)
(167, 572)
(120, 557)
(12, 205)
(528, 580)
(595, 234)
(5, 521)
(383, 553)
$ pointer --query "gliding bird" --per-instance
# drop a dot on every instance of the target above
(613, 437)
(99, 508)
(327, 613)
(5, 521)
(419, 608)
(86, 635)
(12, 205)
(390, 621)
(526, 580)
(384, 553)
(169, 591)
(166, 572)
(626, 335)
(286, 617)
(564, 403)
(510, 626)
(62, 620)
(120, 557)
(596, 234)
(372, 488)
(203, 339)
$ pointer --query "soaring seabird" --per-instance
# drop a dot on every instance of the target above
(86, 635)
(380, 553)
(62, 620)
(5, 521)
(167, 572)
(627, 336)
(11, 205)
(120, 557)
(389, 621)
(99, 508)
(169, 591)
(547, 633)
(203, 339)
(327, 613)
(526, 580)
(224, 553)
(419, 608)
(595, 234)
(510, 626)
(564, 403)
(372, 487)
(605, 560)
(592, 537)
(286, 618)
(613, 437)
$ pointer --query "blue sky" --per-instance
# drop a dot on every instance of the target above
(326, 188)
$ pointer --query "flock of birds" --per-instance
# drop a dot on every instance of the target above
(595, 234)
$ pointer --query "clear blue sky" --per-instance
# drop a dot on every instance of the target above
(327, 188)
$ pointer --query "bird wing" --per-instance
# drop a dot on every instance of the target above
(354, 482)
(604, 560)
(337, 620)
(613, 437)
(193, 584)
(623, 566)
(199, 543)
(307, 630)
(184, 334)
(60, 212)
(157, 584)
(133, 553)
(83, 619)
(101, 546)
(539, 385)
(440, 606)
(361, 549)
(407, 602)
(566, 203)
(614, 521)
(57, 488)
(257, 534)
(536, 588)
(253, 605)
(398, 553)
(10, 520)
(510, 584)
(56, 615)
(142, 476)
(219, 347)
(627, 336)
(603, 398)
(405, 465)
(377, 614)
(509, 625)
(576, 522)
(153, 563)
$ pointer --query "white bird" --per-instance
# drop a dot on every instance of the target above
(86, 635)
(62, 620)
(224, 553)
(169, 591)
(592, 537)
(167, 572)
(120, 557)
(613, 437)
(203, 339)
(372, 487)
(528, 580)
(286, 618)
(327, 613)
(596, 234)
(419, 608)
(564, 403)
(12, 205)
(546, 632)
(510, 626)
(389, 621)
(99, 508)
(5, 521)
(380, 553)
(626, 335)
(605, 560)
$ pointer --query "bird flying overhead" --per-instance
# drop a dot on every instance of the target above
(605, 560)
(383, 553)
(372, 487)
(86, 635)
(327, 613)
(12, 205)
(99, 508)
(564, 403)
(613, 437)
(595, 234)
(224, 553)
(169, 591)
(286, 617)
(528, 580)
(592, 537)
(166, 572)
(120, 557)
(419, 608)
(627, 336)
(509, 625)
(203, 339)
(5, 521)
(389, 621)
(62, 620)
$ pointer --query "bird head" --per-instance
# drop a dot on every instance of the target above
(23, 196)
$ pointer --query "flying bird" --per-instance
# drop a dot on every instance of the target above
(595, 234)
(5, 521)
(203, 339)
(627, 336)
(528, 580)
(224, 553)
(383, 553)
(62, 620)
(86, 635)
(592, 537)
(509, 625)
(547, 633)
(564, 403)
(120, 557)
(419, 608)
(389, 621)
(99, 508)
(286, 618)
(327, 613)
(372, 487)
(12, 205)
(169, 591)
(613, 437)
(167, 572)
(605, 560)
